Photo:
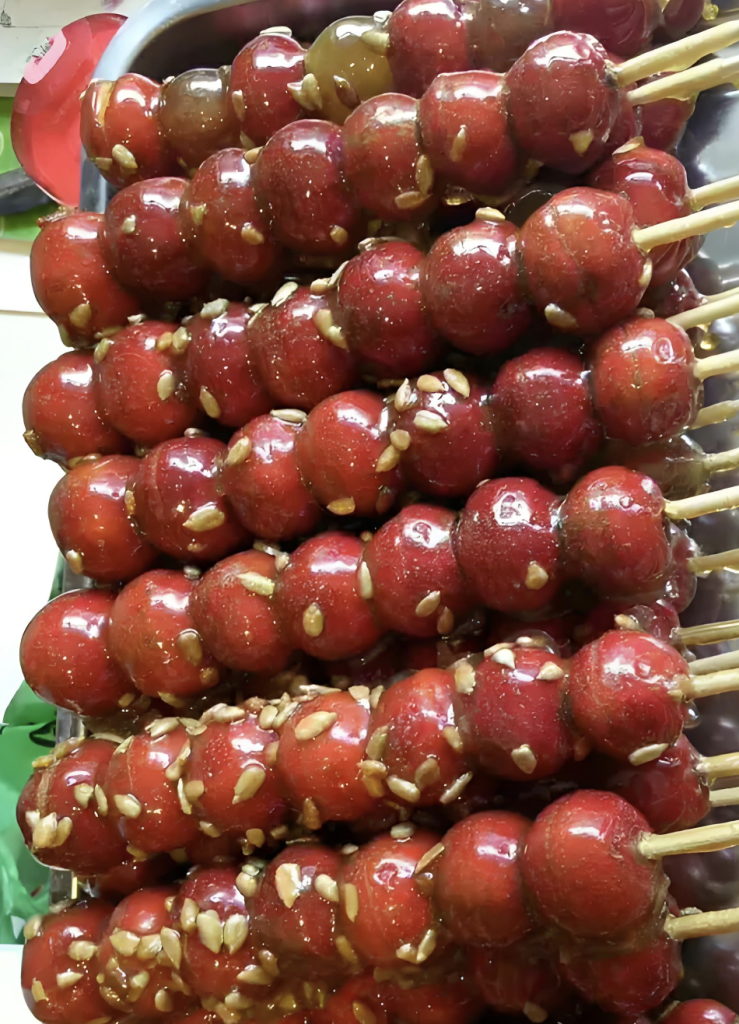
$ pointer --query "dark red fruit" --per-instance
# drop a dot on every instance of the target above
(231, 768)
(296, 353)
(62, 414)
(517, 978)
(221, 217)
(178, 500)
(701, 1011)
(345, 456)
(141, 383)
(362, 993)
(154, 640)
(146, 246)
(231, 607)
(73, 280)
(624, 28)
(121, 132)
(470, 286)
(453, 1000)
(300, 177)
(260, 75)
(127, 877)
(262, 481)
(319, 599)
(507, 545)
(664, 122)
(411, 573)
(426, 42)
(379, 308)
(64, 654)
(88, 517)
(389, 173)
(197, 115)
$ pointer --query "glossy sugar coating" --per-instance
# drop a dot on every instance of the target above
(302, 942)
(141, 786)
(426, 41)
(411, 562)
(296, 353)
(664, 122)
(632, 368)
(121, 132)
(301, 180)
(585, 272)
(341, 453)
(517, 977)
(225, 225)
(138, 973)
(670, 791)
(701, 1011)
(453, 1000)
(319, 759)
(154, 640)
(471, 288)
(613, 534)
(232, 801)
(379, 308)
(390, 175)
(656, 185)
(262, 480)
(678, 464)
(544, 412)
(46, 961)
(416, 721)
(624, 28)
(178, 501)
(451, 433)
(233, 612)
(73, 280)
(141, 386)
(197, 115)
(258, 88)
(507, 546)
(146, 246)
(62, 821)
(62, 415)
(64, 654)
(506, 740)
(678, 296)
(347, 69)
(563, 102)
(362, 992)
(220, 367)
(318, 599)
(618, 690)
(90, 524)
(397, 916)
(499, 32)
(464, 127)
(583, 871)
(125, 878)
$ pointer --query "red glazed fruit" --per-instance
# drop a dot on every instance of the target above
(300, 177)
(262, 481)
(73, 281)
(319, 600)
(221, 216)
(64, 654)
(425, 42)
(197, 116)
(260, 76)
(121, 132)
(59, 946)
(88, 517)
(220, 365)
(146, 246)
(624, 28)
(232, 610)
(345, 456)
(62, 414)
(154, 640)
(141, 383)
(513, 979)
(178, 501)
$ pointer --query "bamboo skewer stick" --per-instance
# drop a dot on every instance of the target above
(687, 227)
(703, 504)
(721, 462)
(716, 192)
(720, 412)
(720, 766)
(719, 663)
(705, 839)
(707, 312)
(693, 926)
(724, 797)
(702, 565)
(709, 685)
(679, 55)
(710, 633)
(714, 366)
(687, 84)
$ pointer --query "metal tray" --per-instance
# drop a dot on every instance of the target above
(170, 36)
